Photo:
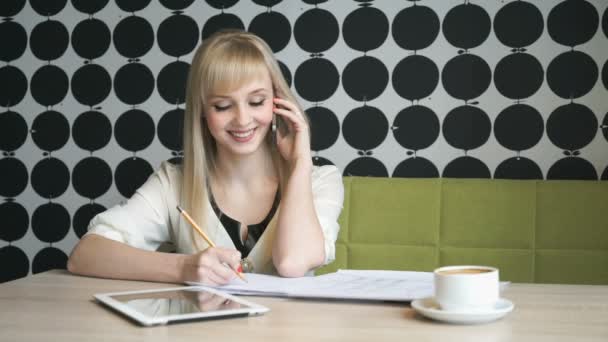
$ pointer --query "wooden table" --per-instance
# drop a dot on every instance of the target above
(58, 306)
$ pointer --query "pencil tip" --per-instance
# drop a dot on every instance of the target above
(180, 209)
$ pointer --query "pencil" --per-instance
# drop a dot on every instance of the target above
(202, 233)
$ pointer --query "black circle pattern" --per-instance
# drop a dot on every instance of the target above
(572, 74)
(50, 177)
(365, 78)
(181, 26)
(466, 128)
(316, 79)
(316, 30)
(415, 27)
(15, 177)
(130, 174)
(170, 129)
(91, 38)
(519, 127)
(365, 128)
(92, 131)
(50, 222)
(466, 76)
(131, 6)
(171, 82)
(89, 7)
(530, 24)
(416, 167)
(466, 26)
(134, 120)
(324, 128)
(416, 128)
(365, 29)
(133, 37)
(563, 15)
(15, 220)
(133, 83)
(11, 8)
(572, 126)
(50, 130)
(13, 131)
(511, 79)
(49, 85)
(13, 86)
(48, 8)
(19, 265)
(14, 41)
(518, 76)
(91, 177)
(415, 77)
(91, 84)
(274, 28)
(83, 216)
(221, 21)
(518, 168)
(49, 40)
(49, 258)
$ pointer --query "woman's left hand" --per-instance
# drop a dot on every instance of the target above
(295, 145)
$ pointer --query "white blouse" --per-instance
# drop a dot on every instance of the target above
(150, 218)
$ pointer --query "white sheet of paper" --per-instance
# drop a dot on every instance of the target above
(344, 284)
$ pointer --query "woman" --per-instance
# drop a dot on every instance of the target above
(252, 189)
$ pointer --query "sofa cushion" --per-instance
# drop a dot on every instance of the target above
(533, 231)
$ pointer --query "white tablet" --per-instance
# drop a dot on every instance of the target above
(179, 304)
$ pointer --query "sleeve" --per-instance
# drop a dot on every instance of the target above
(328, 198)
(143, 220)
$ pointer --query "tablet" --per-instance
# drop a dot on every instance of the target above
(178, 304)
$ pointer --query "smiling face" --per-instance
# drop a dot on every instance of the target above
(239, 119)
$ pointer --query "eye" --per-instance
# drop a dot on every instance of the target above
(221, 108)
(257, 103)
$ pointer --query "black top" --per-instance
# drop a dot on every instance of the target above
(254, 231)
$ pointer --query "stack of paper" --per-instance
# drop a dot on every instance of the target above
(344, 284)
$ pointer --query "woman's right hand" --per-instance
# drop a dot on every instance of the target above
(209, 266)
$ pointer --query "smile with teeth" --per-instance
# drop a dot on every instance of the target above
(242, 134)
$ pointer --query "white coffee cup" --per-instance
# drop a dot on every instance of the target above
(466, 288)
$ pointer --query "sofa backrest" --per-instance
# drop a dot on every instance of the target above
(533, 231)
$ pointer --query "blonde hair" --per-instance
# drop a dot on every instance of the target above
(223, 62)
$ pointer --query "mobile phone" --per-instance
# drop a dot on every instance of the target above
(278, 127)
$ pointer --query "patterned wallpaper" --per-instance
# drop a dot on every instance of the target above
(92, 96)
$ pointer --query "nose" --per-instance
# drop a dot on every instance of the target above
(242, 117)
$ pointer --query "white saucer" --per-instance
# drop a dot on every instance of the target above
(429, 308)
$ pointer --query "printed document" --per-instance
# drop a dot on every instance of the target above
(402, 286)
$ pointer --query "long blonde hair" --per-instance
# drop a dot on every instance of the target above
(223, 62)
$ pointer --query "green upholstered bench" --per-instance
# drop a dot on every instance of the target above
(533, 231)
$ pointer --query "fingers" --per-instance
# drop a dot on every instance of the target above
(286, 107)
(229, 256)
(291, 113)
(285, 103)
(213, 265)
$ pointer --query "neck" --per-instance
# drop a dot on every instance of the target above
(248, 170)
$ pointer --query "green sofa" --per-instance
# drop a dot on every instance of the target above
(533, 231)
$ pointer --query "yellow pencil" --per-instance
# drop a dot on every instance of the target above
(202, 233)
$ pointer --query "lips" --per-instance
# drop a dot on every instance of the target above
(242, 135)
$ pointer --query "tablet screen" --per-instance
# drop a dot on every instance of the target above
(177, 302)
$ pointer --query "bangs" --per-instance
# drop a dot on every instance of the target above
(231, 66)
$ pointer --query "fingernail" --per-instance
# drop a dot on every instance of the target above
(239, 269)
